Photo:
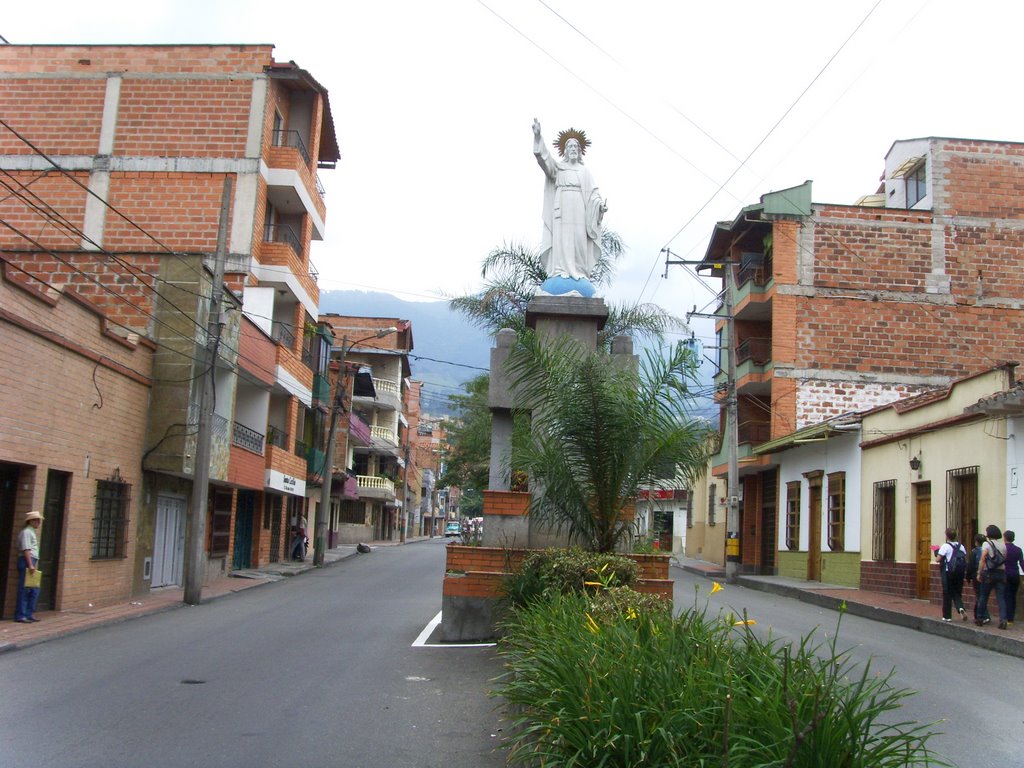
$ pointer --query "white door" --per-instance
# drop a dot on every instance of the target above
(169, 541)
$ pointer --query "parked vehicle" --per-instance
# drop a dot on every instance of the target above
(452, 528)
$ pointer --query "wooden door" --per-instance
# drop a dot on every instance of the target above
(923, 511)
(814, 532)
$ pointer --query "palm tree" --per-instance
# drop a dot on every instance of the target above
(514, 273)
(603, 430)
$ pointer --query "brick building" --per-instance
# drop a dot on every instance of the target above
(114, 160)
(374, 474)
(842, 308)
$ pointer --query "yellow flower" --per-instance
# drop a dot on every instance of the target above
(592, 584)
(592, 625)
(745, 623)
(716, 587)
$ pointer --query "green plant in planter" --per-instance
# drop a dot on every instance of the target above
(602, 431)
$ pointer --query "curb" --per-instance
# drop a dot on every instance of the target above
(950, 631)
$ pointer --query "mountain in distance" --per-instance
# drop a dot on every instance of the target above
(447, 350)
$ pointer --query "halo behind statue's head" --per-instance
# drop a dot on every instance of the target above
(572, 133)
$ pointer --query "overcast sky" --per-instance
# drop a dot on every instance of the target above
(433, 103)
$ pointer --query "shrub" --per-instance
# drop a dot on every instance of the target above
(564, 571)
(641, 688)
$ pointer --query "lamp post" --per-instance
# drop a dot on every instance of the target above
(320, 537)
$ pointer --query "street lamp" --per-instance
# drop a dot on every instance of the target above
(320, 537)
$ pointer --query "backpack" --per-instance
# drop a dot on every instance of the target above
(956, 563)
(996, 559)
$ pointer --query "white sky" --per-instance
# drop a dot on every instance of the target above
(433, 102)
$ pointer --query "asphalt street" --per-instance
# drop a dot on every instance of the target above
(324, 669)
(316, 670)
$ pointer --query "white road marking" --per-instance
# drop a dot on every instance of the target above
(421, 641)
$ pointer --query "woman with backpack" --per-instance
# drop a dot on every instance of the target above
(952, 559)
(1014, 566)
(992, 575)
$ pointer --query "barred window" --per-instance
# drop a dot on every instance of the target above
(883, 529)
(962, 501)
(711, 503)
(110, 522)
(793, 516)
(837, 511)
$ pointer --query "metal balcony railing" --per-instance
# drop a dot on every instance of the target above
(282, 233)
(247, 438)
(283, 334)
(291, 139)
(301, 449)
(277, 438)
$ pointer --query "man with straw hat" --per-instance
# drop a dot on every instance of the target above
(28, 557)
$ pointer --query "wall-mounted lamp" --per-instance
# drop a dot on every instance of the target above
(915, 463)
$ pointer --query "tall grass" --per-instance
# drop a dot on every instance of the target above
(604, 688)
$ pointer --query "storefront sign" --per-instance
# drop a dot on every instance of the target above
(279, 481)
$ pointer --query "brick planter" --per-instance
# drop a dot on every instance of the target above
(472, 587)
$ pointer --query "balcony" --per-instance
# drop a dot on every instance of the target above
(389, 395)
(291, 139)
(754, 432)
(374, 487)
(321, 389)
(282, 233)
(247, 438)
(359, 430)
(278, 438)
(756, 350)
(384, 435)
(291, 183)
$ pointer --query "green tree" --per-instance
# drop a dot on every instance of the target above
(602, 431)
(513, 273)
(468, 437)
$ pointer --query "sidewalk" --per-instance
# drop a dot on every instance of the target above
(54, 624)
(921, 615)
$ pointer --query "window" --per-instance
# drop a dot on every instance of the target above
(883, 529)
(916, 186)
(110, 523)
(711, 504)
(962, 501)
(837, 511)
(793, 516)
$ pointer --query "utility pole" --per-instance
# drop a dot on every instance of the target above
(195, 529)
(405, 485)
(732, 518)
(320, 536)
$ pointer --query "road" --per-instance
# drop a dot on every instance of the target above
(972, 690)
(317, 670)
(320, 670)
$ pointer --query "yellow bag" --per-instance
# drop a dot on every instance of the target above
(33, 580)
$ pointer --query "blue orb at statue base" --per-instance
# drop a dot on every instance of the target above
(563, 286)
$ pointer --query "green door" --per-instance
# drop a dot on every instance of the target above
(243, 530)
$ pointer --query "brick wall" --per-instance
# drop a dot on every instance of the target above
(77, 405)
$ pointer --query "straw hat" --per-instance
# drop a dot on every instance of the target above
(35, 514)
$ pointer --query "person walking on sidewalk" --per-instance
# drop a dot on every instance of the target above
(952, 559)
(972, 576)
(992, 575)
(1014, 567)
(28, 558)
